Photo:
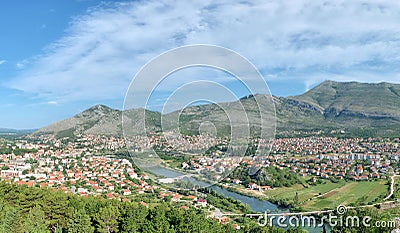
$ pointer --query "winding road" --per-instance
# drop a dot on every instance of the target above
(391, 187)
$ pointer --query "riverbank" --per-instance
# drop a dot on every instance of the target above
(326, 195)
(256, 194)
(257, 203)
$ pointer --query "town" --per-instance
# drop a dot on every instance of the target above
(93, 165)
(51, 162)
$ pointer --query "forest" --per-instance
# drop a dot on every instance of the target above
(270, 176)
(43, 210)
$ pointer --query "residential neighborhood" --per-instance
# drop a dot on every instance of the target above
(93, 165)
(81, 166)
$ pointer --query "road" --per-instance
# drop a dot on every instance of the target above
(391, 187)
(333, 190)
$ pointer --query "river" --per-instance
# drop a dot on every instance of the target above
(255, 204)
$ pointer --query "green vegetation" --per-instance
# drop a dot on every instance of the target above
(66, 133)
(330, 109)
(225, 203)
(375, 216)
(329, 195)
(286, 195)
(41, 210)
(351, 194)
(30, 209)
(396, 194)
(17, 151)
(360, 109)
(173, 159)
(270, 176)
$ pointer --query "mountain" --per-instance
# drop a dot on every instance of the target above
(99, 120)
(337, 99)
(353, 106)
(6, 131)
(227, 117)
(361, 109)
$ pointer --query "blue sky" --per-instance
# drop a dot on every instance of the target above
(58, 58)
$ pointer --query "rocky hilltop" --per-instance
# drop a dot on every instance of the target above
(348, 107)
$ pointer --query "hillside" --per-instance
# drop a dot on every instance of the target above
(336, 99)
(227, 117)
(355, 108)
(99, 120)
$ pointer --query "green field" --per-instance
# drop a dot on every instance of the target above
(352, 193)
(305, 194)
(330, 195)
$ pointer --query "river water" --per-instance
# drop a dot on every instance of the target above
(255, 204)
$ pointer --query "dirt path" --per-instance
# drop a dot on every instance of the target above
(391, 187)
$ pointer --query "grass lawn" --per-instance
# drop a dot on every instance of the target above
(305, 194)
(330, 195)
(352, 193)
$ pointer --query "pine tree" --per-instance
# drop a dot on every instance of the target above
(9, 219)
(107, 219)
(80, 222)
(134, 218)
(296, 199)
(36, 221)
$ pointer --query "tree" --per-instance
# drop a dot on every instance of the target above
(106, 219)
(36, 221)
(80, 222)
(133, 219)
(296, 199)
(9, 219)
(54, 205)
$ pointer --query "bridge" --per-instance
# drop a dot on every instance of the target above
(173, 179)
(319, 212)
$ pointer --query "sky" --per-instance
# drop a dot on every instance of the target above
(58, 58)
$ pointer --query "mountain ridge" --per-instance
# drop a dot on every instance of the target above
(8, 131)
(331, 106)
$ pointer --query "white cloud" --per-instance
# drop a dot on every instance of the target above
(2, 62)
(52, 102)
(20, 65)
(303, 39)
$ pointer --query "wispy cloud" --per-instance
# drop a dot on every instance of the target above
(2, 61)
(21, 64)
(302, 39)
(52, 102)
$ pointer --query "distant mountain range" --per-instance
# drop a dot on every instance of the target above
(347, 108)
(5, 131)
